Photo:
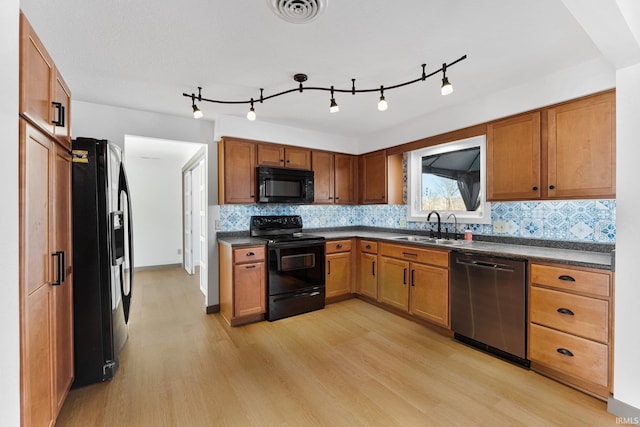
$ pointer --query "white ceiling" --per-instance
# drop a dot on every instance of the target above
(138, 147)
(144, 54)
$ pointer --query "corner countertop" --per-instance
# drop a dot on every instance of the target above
(550, 253)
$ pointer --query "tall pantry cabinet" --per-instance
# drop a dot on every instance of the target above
(46, 311)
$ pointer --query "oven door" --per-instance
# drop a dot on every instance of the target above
(294, 266)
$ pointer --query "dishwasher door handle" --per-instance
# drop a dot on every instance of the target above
(483, 264)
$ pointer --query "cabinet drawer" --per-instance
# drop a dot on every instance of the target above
(584, 316)
(412, 253)
(248, 254)
(338, 246)
(368, 246)
(589, 361)
(567, 278)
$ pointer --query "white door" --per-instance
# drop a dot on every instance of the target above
(188, 222)
(202, 216)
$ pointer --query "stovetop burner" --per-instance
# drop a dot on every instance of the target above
(280, 228)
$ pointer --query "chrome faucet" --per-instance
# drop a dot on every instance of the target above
(455, 225)
(429, 219)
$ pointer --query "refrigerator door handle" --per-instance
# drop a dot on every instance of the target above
(123, 188)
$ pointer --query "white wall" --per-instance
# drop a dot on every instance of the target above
(113, 123)
(627, 284)
(579, 80)
(269, 132)
(156, 204)
(9, 301)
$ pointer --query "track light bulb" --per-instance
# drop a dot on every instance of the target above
(382, 104)
(333, 108)
(251, 115)
(196, 112)
(446, 88)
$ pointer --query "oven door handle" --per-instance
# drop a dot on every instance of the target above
(294, 245)
(298, 295)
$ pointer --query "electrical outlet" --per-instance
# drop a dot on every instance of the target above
(217, 224)
(179, 251)
(499, 227)
(323, 221)
(403, 223)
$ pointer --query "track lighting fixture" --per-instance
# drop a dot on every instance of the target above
(197, 114)
(333, 108)
(382, 104)
(251, 115)
(445, 89)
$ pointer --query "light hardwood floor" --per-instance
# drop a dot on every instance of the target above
(351, 364)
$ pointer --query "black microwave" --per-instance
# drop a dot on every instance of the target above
(281, 185)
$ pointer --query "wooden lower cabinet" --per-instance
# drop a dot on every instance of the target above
(570, 318)
(243, 284)
(429, 294)
(46, 283)
(367, 282)
(418, 288)
(339, 263)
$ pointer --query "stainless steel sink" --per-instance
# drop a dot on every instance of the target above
(425, 239)
(416, 239)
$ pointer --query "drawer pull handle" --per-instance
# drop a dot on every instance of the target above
(339, 246)
(564, 352)
(368, 246)
(409, 254)
(251, 266)
(566, 278)
(566, 311)
(250, 254)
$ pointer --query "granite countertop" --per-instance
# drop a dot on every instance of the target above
(556, 252)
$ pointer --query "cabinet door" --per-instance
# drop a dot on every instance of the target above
(581, 139)
(239, 172)
(298, 158)
(513, 158)
(63, 293)
(344, 179)
(338, 274)
(393, 286)
(37, 264)
(322, 163)
(271, 155)
(373, 178)
(62, 112)
(37, 72)
(430, 293)
(250, 290)
(368, 277)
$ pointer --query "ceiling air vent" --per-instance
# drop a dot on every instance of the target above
(298, 11)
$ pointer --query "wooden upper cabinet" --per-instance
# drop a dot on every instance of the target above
(322, 166)
(373, 178)
(61, 111)
(285, 157)
(344, 184)
(513, 158)
(582, 149)
(37, 76)
(237, 171)
(45, 99)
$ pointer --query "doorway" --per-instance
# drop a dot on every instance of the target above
(155, 168)
(194, 217)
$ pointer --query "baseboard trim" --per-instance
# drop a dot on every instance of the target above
(156, 267)
(213, 309)
(627, 413)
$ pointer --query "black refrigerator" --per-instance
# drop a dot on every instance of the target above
(102, 258)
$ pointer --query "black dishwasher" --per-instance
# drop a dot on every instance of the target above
(489, 304)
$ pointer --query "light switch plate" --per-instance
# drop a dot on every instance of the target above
(403, 223)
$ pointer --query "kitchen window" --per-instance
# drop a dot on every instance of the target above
(449, 178)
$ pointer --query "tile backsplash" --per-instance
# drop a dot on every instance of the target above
(569, 220)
